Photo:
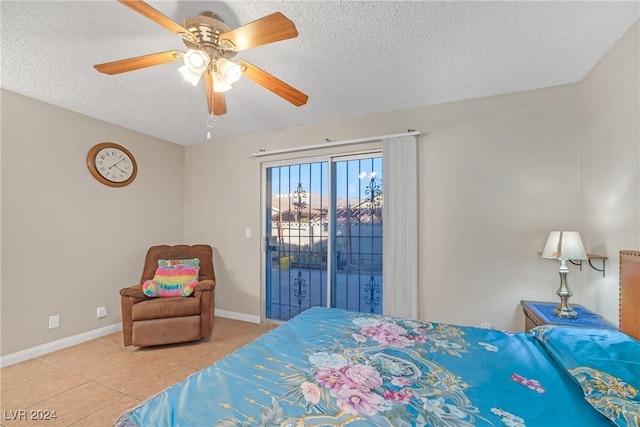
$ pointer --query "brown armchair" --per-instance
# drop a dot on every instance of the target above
(154, 321)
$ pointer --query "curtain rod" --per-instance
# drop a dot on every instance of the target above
(263, 153)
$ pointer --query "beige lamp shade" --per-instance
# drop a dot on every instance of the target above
(564, 245)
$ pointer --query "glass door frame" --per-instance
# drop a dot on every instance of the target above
(266, 233)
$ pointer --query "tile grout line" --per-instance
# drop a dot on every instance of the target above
(225, 340)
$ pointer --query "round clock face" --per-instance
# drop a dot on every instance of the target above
(112, 164)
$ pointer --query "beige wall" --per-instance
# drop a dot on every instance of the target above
(70, 243)
(491, 177)
(491, 171)
(610, 171)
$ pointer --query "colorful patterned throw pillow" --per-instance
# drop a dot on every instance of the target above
(195, 262)
(173, 278)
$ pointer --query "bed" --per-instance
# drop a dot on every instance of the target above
(329, 367)
(630, 293)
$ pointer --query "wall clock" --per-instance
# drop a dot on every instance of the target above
(112, 164)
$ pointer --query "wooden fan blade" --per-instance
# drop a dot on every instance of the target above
(156, 16)
(215, 100)
(271, 28)
(275, 85)
(124, 65)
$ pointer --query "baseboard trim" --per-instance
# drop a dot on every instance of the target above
(237, 316)
(33, 352)
(50, 347)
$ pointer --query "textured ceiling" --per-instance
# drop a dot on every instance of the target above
(351, 58)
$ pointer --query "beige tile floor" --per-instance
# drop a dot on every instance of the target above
(92, 383)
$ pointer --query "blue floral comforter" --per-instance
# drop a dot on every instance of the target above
(605, 363)
(331, 367)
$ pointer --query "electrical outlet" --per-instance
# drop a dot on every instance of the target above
(487, 326)
(247, 232)
(54, 321)
(101, 312)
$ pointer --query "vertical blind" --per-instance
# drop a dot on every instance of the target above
(400, 227)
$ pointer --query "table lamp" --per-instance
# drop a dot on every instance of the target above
(564, 246)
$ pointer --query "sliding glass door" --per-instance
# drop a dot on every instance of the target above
(323, 235)
(297, 242)
(357, 233)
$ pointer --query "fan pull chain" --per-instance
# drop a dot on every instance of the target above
(211, 123)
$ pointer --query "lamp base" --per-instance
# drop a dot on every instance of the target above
(565, 312)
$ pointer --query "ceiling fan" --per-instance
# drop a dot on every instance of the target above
(211, 45)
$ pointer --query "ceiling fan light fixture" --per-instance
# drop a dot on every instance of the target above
(210, 45)
(230, 71)
(221, 86)
(195, 63)
(189, 75)
(197, 60)
(219, 82)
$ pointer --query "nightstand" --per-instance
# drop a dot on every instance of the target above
(538, 313)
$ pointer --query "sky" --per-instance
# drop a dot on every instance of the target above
(352, 177)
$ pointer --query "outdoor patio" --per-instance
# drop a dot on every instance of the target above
(294, 290)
